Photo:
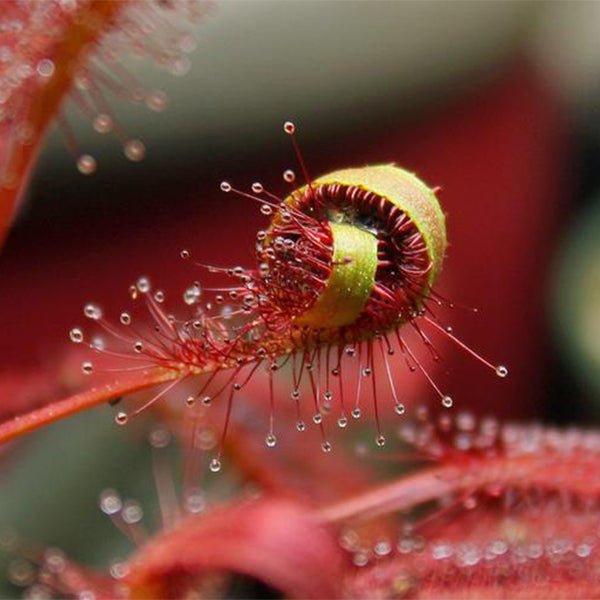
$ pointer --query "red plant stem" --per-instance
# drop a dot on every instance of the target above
(88, 23)
(82, 401)
(546, 471)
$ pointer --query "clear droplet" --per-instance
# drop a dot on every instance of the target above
(400, 408)
(190, 400)
(143, 285)
(447, 402)
(45, 68)
(87, 367)
(342, 422)
(125, 318)
(289, 127)
(257, 187)
(289, 176)
(134, 150)
(318, 418)
(132, 512)
(356, 413)
(501, 371)
(300, 426)
(159, 296)
(380, 440)
(185, 254)
(157, 100)
(76, 335)
(192, 294)
(326, 446)
(138, 346)
(271, 440)
(121, 418)
(92, 311)
(225, 186)
(86, 164)
(215, 465)
(110, 503)
(103, 123)
(266, 210)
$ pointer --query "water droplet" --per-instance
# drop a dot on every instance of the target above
(125, 318)
(225, 186)
(356, 413)
(110, 503)
(400, 408)
(138, 346)
(143, 285)
(501, 371)
(121, 418)
(266, 210)
(132, 512)
(45, 68)
(295, 394)
(367, 372)
(86, 164)
(192, 294)
(87, 367)
(326, 446)
(134, 150)
(271, 440)
(159, 296)
(185, 254)
(342, 422)
(92, 311)
(380, 441)
(318, 418)
(190, 400)
(157, 100)
(289, 127)
(76, 335)
(447, 402)
(215, 465)
(103, 123)
(300, 426)
(289, 176)
(257, 187)
(206, 401)
(160, 437)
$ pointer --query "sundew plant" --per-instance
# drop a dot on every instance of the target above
(260, 395)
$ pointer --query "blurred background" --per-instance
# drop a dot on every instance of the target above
(495, 102)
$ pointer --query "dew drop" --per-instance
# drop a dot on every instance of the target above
(295, 394)
(501, 371)
(380, 440)
(45, 68)
(367, 371)
(225, 186)
(400, 409)
(87, 367)
(300, 426)
(159, 296)
(356, 413)
(318, 418)
(342, 422)
(215, 465)
(190, 400)
(447, 402)
(76, 335)
(157, 100)
(257, 187)
(92, 311)
(125, 318)
(185, 254)
(86, 164)
(326, 446)
(110, 503)
(270, 440)
(138, 346)
(134, 150)
(289, 127)
(192, 295)
(266, 210)
(132, 512)
(121, 418)
(289, 176)
(102, 123)
(143, 285)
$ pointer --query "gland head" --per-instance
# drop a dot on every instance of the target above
(357, 249)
